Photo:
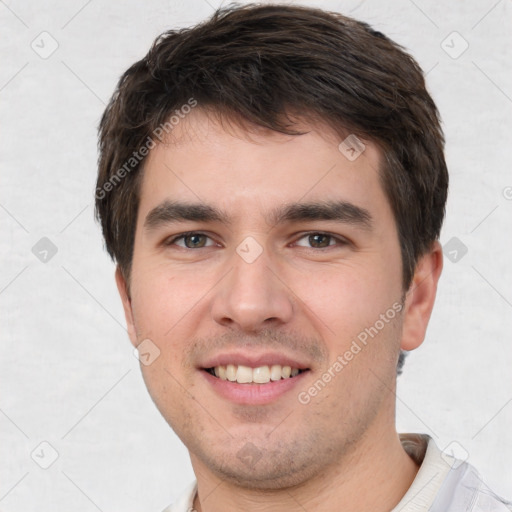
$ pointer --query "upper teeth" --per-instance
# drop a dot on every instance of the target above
(260, 375)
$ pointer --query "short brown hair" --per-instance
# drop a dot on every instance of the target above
(260, 64)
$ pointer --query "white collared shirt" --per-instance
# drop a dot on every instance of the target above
(442, 484)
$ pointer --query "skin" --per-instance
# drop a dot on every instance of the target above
(338, 451)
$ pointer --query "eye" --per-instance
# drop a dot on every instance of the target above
(191, 240)
(319, 240)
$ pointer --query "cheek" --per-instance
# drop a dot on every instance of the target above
(164, 301)
(163, 304)
(344, 300)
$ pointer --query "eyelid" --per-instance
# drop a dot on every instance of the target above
(339, 239)
(171, 240)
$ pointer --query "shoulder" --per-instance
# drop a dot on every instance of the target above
(465, 490)
(445, 483)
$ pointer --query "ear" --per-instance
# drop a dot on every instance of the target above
(122, 287)
(420, 297)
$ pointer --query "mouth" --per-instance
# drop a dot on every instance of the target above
(265, 374)
(250, 380)
(254, 378)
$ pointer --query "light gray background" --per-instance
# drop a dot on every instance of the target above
(69, 376)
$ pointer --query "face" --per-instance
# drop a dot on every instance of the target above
(267, 276)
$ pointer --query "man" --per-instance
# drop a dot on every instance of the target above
(272, 186)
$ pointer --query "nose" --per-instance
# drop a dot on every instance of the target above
(253, 296)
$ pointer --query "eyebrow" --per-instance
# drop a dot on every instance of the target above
(173, 211)
(338, 211)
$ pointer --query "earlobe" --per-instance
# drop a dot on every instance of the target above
(127, 305)
(420, 298)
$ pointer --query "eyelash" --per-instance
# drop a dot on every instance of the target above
(340, 241)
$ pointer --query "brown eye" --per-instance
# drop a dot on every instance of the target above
(319, 240)
(195, 240)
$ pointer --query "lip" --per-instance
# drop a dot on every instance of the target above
(252, 394)
(253, 360)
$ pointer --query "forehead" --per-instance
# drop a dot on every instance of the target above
(214, 128)
(210, 159)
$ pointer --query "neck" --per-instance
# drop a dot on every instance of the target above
(374, 476)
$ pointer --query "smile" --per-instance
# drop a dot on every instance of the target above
(259, 375)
